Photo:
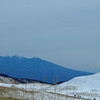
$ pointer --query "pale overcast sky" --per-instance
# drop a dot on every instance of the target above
(65, 32)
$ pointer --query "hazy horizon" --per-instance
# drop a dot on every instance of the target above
(63, 32)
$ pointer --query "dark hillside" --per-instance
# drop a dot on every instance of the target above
(37, 69)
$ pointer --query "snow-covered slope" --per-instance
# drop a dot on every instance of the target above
(84, 87)
(34, 91)
(87, 87)
(29, 87)
(8, 80)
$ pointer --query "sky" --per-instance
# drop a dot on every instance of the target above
(65, 32)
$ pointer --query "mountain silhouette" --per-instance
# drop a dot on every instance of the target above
(37, 69)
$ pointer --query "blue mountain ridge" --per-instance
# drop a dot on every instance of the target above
(37, 69)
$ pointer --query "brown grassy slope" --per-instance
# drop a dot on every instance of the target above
(4, 91)
(2, 98)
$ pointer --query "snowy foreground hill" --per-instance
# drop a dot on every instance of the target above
(79, 88)
(84, 87)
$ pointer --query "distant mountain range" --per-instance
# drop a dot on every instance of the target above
(37, 69)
